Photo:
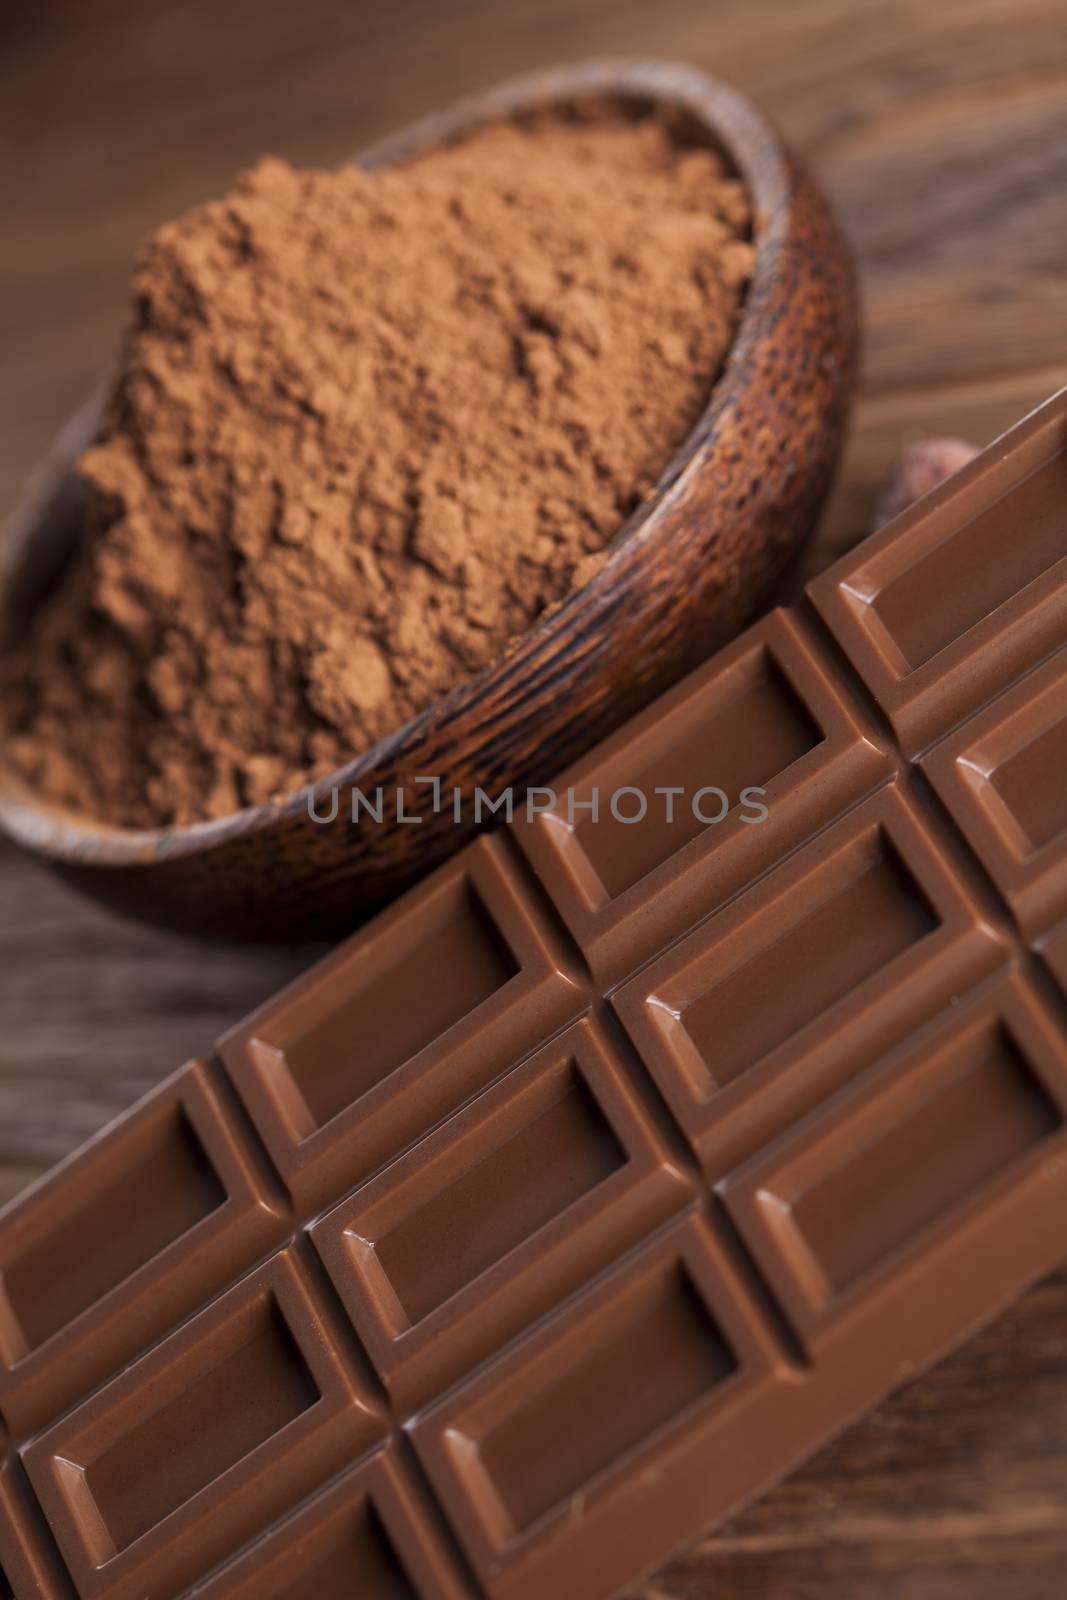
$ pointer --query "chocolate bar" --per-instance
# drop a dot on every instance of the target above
(609, 1173)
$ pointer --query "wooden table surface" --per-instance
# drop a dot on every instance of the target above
(940, 131)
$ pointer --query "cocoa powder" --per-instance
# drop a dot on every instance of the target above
(366, 429)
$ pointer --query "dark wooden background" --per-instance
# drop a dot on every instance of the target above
(940, 130)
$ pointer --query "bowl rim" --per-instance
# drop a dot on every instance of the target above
(755, 151)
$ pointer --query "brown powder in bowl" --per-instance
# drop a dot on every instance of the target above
(366, 429)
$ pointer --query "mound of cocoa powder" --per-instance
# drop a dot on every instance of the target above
(365, 429)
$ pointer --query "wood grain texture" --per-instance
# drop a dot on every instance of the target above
(939, 133)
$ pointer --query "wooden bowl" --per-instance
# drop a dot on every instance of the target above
(698, 560)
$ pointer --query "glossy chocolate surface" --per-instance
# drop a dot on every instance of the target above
(614, 1169)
